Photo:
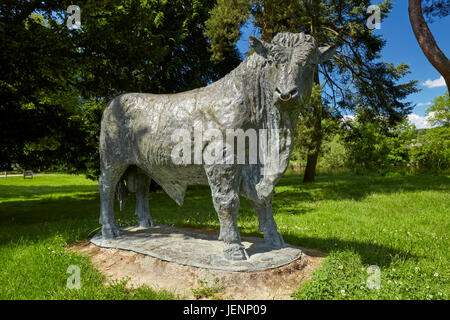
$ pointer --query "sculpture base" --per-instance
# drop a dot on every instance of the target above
(197, 249)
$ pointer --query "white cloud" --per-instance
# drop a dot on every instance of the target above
(419, 121)
(435, 83)
(348, 118)
(424, 104)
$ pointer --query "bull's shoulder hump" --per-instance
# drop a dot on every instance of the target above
(156, 98)
(130, 102)
(160, 95)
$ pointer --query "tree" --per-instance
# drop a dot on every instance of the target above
(424, 36)
(433, 149)
(34, 83)
(377, 145)
(153, 46)
(436, 8)
(352, 79)
(438, 113)
(55, 82)
(141, 46)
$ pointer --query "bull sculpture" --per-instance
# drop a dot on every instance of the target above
(268, 90)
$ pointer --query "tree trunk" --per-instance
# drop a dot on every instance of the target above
(316, 139)
(426, 40)
(310, 170)
(316, 143)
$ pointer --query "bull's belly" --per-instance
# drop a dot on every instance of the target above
(175, 179)
(187, 175)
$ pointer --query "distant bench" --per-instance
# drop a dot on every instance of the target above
(28, 173)
(296, 167)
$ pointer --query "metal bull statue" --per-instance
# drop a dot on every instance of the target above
(266, 91)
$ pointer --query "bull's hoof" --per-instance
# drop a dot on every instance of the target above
(274, 240)
(221, 236)
(110, 231)
(235, 252)
(146, 223)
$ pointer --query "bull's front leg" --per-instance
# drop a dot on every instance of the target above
(224, 183)
(267, 224)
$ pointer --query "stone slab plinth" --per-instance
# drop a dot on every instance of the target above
(197, 249)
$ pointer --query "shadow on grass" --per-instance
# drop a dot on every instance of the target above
(370, 253)
(36, 219)
(34, 192)
(353, 187)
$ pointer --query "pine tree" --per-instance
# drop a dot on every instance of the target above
(353, 78)
(54, 81)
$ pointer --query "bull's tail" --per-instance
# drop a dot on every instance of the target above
(127, 183)
(121, 193)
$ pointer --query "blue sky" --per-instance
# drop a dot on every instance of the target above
(401, 47)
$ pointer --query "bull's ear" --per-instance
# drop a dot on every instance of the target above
(261, 47)
(326, 53)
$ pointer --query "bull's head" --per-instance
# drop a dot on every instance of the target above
(291, 61)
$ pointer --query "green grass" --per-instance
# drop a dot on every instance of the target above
(39, 218)
(207, 290)
(398, 223)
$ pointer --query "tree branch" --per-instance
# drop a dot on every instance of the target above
(426, 40)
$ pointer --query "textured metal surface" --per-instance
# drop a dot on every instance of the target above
(266, 91)
(197, 250)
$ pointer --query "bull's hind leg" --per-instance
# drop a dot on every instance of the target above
(107, 183)
(142, 211)
(224, 184)
(267, 224)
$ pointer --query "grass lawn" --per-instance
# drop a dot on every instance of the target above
(398, 223)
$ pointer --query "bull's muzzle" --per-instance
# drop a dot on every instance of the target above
(287, 96)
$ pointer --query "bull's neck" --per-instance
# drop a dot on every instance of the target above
(252, 75)
(257, 90)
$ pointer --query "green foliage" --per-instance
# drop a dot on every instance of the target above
(334, 154)
(84, 156)
(146, 46)
(376, 146)
(306, 134)
(439, 112)
(380, 147)
(55, 82)
(208, 291)
(432, 149)
(223, 27)
(35, 83)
